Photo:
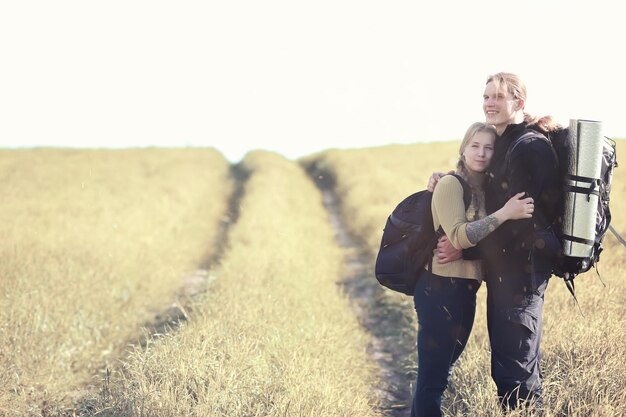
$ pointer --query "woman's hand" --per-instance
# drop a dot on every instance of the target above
(518, 207)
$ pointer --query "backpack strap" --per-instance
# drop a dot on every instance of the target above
(617, 235)
(526, 138)
(467, 191)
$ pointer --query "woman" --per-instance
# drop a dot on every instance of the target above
(445, 296)
(518, 256)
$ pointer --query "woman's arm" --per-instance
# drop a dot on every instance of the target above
(449, 210)
(516, 208)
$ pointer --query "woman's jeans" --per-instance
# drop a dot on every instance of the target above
(445, 311)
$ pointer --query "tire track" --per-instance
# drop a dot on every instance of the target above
(391, 347)
(170, 319)
(197, 282)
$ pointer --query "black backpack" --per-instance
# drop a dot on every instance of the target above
(408, 240)
(565, 147)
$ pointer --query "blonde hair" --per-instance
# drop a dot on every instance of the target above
(461, 169)
(514, 85)
(471, 131)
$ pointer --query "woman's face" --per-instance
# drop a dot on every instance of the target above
(500, 107)
(478, 151)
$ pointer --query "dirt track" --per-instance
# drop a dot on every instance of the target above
(368, 301)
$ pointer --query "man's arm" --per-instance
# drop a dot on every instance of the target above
(445, 252)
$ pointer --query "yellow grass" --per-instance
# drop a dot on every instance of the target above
(93, 243)
(274, 336)
(583, 356)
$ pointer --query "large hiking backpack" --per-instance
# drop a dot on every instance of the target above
(408, 240)
(586, 162)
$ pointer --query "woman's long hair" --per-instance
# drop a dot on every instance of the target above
(461, 168)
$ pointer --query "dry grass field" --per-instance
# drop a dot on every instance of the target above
(93, 244)
(97, 246)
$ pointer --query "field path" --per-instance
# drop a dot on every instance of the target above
(170, 318)
(197, 281)
(360, 285)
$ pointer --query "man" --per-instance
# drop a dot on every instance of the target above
(519, 254)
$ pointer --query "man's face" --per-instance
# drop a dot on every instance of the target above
(500, 107)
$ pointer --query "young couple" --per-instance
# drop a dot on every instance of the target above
(504, 237)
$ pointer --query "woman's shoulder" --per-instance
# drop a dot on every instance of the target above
(450, 180)
(449, 183)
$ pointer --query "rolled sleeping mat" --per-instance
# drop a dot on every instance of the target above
(582, 185)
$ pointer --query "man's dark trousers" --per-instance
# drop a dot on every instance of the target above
(514, 320)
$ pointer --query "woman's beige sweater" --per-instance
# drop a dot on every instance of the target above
(449, 213)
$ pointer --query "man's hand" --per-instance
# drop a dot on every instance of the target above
(445, 252)
(432, 181)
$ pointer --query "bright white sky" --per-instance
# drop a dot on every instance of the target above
(292, 76)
